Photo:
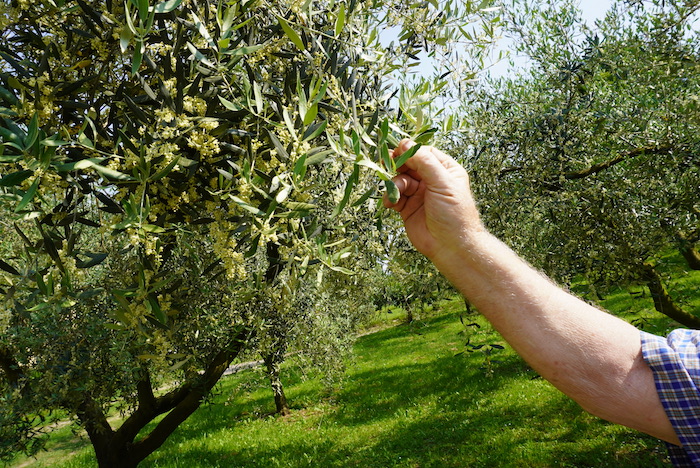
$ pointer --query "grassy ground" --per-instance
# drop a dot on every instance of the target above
(411, 398)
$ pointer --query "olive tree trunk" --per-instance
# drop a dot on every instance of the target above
(273, 362)
(691, 255)
(119, 448)
(663, 301)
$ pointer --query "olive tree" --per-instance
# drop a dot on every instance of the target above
(163, 165)
(313, 311)
(588, 162)
(413, 281)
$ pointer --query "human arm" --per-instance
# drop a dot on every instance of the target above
(589, 355)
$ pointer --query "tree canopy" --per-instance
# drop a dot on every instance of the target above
(164, 165)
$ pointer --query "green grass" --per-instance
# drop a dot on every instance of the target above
(62, 445)
(410, 399)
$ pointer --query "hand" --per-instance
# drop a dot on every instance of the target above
(436, 203)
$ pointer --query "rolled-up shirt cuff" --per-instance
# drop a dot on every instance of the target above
(675, 363)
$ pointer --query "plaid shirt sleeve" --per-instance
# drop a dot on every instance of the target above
(675, 362)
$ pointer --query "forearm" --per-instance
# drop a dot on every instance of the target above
(591, 356)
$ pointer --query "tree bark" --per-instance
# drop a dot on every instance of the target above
(652, 149)
(117, 449)
(691, 255)
(273, 362)
(555, 186)
(10, 367)
(279, 330)
(686, 246)
(409, 314)
(663, 301)
(101, 433)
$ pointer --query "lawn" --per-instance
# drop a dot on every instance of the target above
(412, 397)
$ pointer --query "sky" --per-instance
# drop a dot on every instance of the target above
(594, 9)
(591, 10)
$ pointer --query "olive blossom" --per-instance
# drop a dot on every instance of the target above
(163, 164)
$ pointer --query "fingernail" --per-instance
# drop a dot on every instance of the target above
(403, 146)
(406, 143)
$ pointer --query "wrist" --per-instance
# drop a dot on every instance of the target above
(467, 254)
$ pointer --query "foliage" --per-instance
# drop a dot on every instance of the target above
(588, 163)
(161, 165)
(411, 280)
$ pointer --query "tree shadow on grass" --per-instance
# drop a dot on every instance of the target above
(465, 426)
(462, 428)
(424, 411)
(493, 439)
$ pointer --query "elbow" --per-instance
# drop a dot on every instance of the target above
(647, 416)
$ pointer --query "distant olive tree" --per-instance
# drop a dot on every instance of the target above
(588, 162)
(314, 314)
(411, 280)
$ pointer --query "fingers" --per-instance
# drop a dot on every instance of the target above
(406, 144)
(407, 185)
(428, 160)
(403, 146)
(429, 168)
(410, 174)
